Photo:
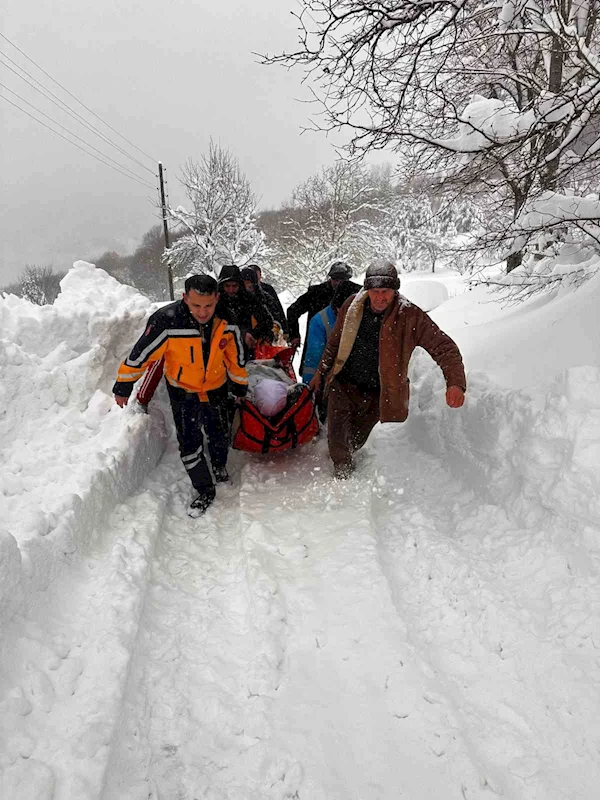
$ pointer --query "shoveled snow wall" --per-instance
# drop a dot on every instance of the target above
(530, 454)
(68, 453)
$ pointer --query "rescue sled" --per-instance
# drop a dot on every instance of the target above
(295, 425)
(291, 428)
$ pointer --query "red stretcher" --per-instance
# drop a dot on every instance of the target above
(291, 428)
(296, 425)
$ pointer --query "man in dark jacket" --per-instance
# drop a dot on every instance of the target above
(255, 288)
(315, 299)
(252, 317)
(276, 307)
(366, 363)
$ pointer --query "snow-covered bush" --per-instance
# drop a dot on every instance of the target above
(39, 285)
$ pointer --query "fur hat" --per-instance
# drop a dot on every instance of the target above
(382, 274)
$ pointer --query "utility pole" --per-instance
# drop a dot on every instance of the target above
(163, 203)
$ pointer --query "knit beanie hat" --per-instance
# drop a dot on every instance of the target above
(382, 274)
(230, 272)
(339, 269)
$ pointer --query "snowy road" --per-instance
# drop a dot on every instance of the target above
(429, 629)
(271, 661)
(393, 636)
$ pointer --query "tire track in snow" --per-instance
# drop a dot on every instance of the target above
(67, 669)
(476, 591)
(351, 705)
(195, 723)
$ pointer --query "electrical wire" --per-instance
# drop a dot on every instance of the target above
(137, 180)
(153, 160)
(74, 135)
(66, 108)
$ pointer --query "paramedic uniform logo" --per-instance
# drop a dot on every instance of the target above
(223, 344)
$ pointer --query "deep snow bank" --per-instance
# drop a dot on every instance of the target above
(530, 429)
(524, 346)
(425, 294)
(523, 537)
(520, 449)
(68, 453)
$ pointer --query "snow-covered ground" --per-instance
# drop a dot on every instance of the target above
(429, 629)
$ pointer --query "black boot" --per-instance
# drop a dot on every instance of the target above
(221, 474)
(202, 502)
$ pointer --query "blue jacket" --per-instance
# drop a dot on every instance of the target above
(319, 329)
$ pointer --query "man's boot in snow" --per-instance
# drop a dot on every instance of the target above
(201, 503)
(342, 472)
(221, 474)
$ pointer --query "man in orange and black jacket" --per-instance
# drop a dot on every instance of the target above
(201, 352)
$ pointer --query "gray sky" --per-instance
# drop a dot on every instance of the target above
(168, 76)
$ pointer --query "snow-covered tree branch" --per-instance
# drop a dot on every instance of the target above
(219, 225)
(502, 100)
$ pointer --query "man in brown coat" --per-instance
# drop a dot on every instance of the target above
(365, 363)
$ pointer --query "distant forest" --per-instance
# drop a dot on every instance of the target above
(347, 211)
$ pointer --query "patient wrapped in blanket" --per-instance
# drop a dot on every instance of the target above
(270, 388)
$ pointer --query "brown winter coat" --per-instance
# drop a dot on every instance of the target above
(404, 327)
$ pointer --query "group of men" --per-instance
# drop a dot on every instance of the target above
(202, 343)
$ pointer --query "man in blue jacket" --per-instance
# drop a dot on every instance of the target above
(321, 326)
(314, 299)
(319, 329)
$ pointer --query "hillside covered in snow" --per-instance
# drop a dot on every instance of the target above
(429, 629)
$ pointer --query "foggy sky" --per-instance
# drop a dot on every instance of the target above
(168, 76)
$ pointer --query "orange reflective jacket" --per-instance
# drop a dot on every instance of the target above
(174, 334)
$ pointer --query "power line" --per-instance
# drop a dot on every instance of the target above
(67, 109)
(39, 111)
(137, 180)
(153, 160)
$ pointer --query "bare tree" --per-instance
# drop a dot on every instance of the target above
(503, 102)
(219, 226)
(12, 288)
(146, 267)
(332, 216)
(116, 265)
(40, 285)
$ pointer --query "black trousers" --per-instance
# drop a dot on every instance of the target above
(194, 421)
